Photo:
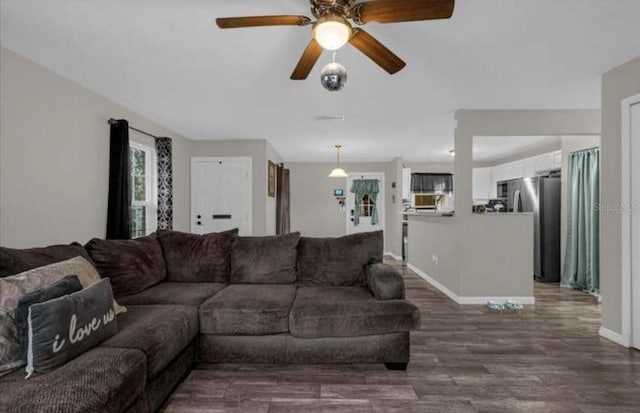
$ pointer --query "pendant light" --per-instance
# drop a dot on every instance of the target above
(338, 172)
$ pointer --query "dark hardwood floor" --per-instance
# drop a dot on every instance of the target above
(463, 359)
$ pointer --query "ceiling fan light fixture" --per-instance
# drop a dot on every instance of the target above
(332, 32)
(338, 172)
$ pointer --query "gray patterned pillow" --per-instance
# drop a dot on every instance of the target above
(64, 328)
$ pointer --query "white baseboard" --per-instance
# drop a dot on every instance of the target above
(434, 283)
(615, 337)
(468, 300)
(483, 300)
(392, 255)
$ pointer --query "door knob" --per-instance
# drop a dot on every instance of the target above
(199, 222)
(199, 216)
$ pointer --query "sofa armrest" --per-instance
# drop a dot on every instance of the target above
(385, 282)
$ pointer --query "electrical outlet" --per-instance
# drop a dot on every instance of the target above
(434, 258)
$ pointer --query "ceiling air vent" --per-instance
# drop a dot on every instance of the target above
(331, 117)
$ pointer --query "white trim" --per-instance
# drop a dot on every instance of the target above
(483, 300)
(249, 162)
(394, 256)
(434, 283)
(626, 287)
(468, 300)
(615, 337)
(151, 185)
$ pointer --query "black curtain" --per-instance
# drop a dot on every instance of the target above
(283, 213)
(431, 182)
(119, 204)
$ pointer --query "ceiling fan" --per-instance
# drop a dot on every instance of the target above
(332, 29)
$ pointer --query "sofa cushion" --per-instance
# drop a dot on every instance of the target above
(347, 312)
(14, 261)
(63, 328)
(338, 261)
(12, 288)
(243, 309)
(197, 258)
(175, 293)
(64, 286)
(101, 380)
(132, 265)
(265, 260)
(159, 331)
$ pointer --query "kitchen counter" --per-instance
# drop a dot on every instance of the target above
(429, 213)
(476, 257)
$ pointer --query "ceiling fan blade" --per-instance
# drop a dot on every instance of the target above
(255, 21)
(376, 51)
(307, 61)
(394, 11)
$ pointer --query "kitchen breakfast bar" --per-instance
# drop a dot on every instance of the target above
(476, 259)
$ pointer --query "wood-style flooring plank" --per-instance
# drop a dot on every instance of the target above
(547, 358)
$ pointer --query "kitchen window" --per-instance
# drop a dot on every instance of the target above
(143, 194)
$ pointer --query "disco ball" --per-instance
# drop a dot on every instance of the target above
(333, 77)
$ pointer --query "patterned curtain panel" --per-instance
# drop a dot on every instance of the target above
(362, 187)
(165, 183)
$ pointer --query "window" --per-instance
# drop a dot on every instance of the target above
(143, 193)
(366, 206)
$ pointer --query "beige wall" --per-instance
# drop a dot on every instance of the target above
(315, 211)
(430, 167)
(617, 84)
(489, 257)
(264, 212)
(54, 157)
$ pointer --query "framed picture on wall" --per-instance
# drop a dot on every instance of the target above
(271, 179)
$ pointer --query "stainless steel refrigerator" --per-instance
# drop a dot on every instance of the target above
(540, 196)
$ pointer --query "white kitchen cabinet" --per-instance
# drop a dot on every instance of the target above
(482, 184)
(523, 168)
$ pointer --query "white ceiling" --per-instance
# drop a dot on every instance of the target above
(166, 60)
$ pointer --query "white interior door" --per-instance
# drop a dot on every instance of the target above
(634, 121)
(220, 195)
(365, 224)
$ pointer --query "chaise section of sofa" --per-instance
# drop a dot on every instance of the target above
(343, 305)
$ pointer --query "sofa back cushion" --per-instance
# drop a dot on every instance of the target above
(15, 261)
(197, 258)
(131, 265)
(338, 261)
(265, 260)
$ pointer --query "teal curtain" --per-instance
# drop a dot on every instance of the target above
(362, 187)
(582, 258)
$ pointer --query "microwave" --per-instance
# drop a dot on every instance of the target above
(426, 201)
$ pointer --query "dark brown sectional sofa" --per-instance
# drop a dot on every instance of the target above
(285, 299)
